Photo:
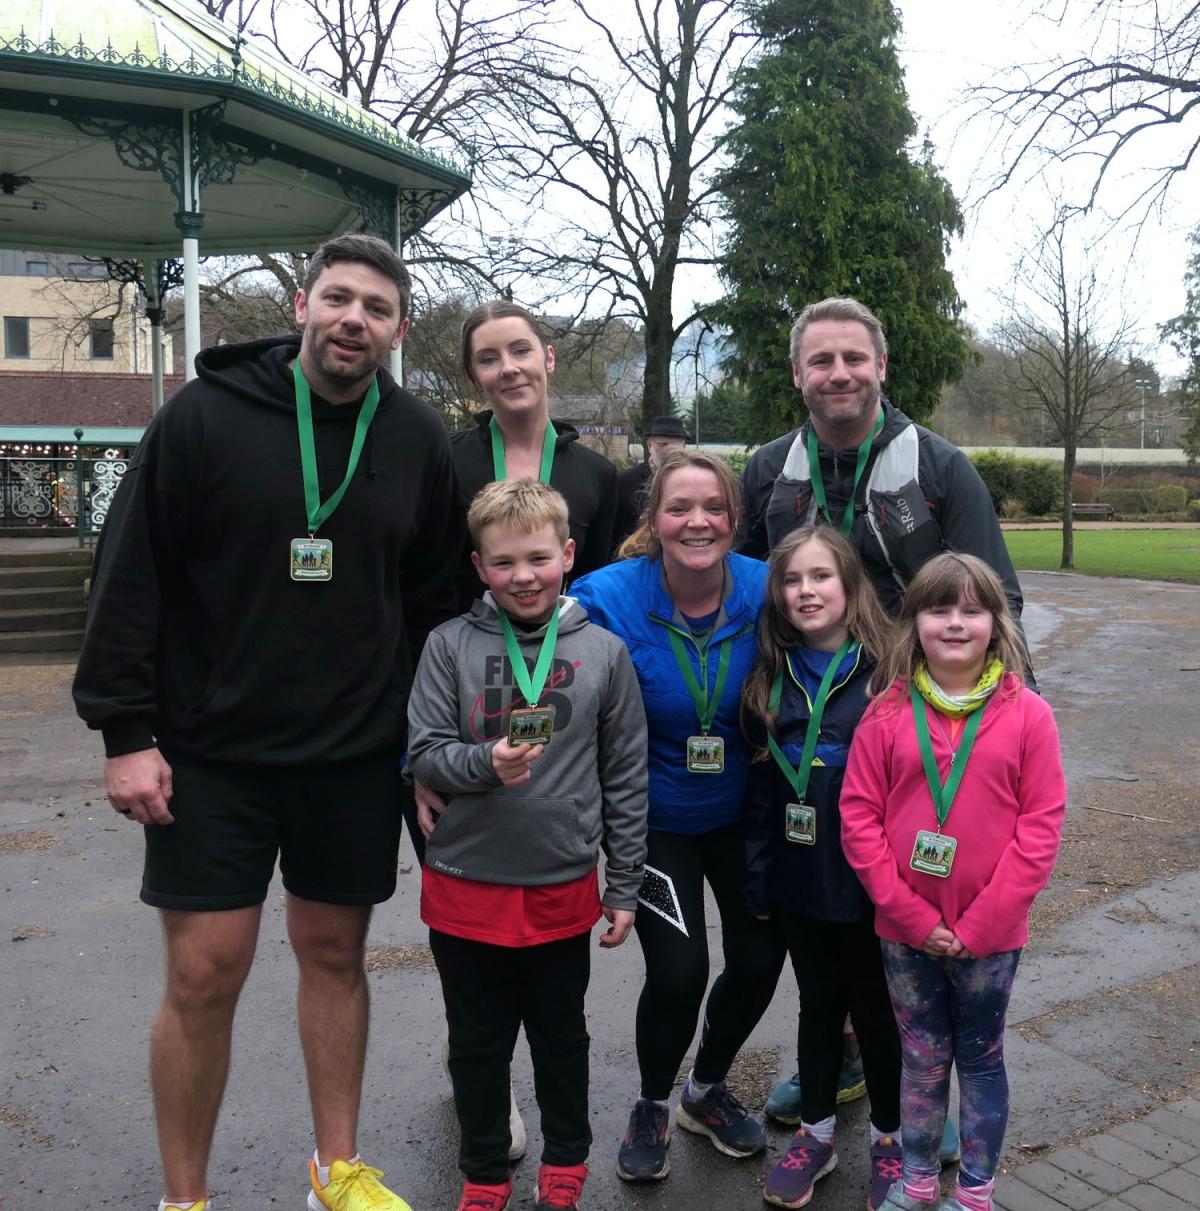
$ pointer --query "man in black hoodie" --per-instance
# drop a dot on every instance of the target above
(288, 532)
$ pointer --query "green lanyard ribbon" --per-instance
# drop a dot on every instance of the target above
(530, 688)
(500, 467)
(943, 795)
(798, 777)
(317, 512)
(706, 707)
(818, 481)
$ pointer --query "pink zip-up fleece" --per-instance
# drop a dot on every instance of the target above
(1007, 819)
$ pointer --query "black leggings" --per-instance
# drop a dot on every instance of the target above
(839, 968)
(677, 961)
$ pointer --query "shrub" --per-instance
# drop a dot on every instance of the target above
(1129, 500)
(1193, 510)
(1013, 509)
(1169, 498)
(1085, 488)
(1000, 476)
(1040, 485)
(738, 459)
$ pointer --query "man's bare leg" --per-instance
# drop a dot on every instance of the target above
(333, 1007)
(208, 957)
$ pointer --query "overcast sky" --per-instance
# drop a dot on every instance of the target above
(948, 46)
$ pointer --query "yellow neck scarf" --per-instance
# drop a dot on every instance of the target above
(958, 705)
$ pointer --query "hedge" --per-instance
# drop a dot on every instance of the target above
(1035, 482)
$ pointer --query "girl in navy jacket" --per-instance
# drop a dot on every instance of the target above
(821, 632)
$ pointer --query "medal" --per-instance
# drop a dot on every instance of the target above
(705, 753)
(500, 467)
(800, 818)
(531, 724)
(312, 559)
(801, 824)
(933, 853)
(818, 480)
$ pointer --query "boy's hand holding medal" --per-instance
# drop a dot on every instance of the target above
(512, 761)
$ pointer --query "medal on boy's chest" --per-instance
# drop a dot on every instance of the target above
(530, 725)
(705, 754)
(311, 559)
(933, 853)
(800, 823)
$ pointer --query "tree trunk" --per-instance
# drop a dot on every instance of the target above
(1068, 517)
(659, 336)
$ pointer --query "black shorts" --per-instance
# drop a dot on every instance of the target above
(335, 829)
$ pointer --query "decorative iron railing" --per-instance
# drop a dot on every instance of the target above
(40, 492)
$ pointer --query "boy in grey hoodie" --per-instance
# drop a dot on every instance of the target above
(529, 721)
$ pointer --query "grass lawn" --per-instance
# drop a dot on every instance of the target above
(1148, 554)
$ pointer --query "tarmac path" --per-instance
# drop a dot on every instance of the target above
(1105, 1023)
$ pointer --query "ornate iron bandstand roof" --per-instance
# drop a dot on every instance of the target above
(126, 124)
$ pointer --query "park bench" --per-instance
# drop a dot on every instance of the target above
(1096, 510)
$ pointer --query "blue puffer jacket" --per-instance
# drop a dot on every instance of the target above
(630, 600)
(809, 880)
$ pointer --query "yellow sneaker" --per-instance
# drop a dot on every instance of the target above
(352, 1187)
(201, 1204)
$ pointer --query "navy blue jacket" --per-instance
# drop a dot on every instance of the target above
(806, 880)
(630, 600)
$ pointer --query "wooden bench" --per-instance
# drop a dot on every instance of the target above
(1097, 511)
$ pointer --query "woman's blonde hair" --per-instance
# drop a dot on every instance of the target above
(944, 581)
(865, 618)
(643, 541)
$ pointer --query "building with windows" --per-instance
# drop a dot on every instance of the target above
(63, 314)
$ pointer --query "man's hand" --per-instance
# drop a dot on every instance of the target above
(139, 786)
(621, 920)
(939, 941)
(430, 806)
(512, 761)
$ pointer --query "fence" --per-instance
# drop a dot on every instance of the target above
(43, 492)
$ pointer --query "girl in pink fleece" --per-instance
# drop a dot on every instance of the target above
(952, 812)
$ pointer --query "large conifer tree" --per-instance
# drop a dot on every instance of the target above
(824, 197)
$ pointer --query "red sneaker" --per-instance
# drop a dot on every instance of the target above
(559, 1187)
(476, 1197)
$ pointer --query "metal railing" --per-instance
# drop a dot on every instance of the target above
(38, 491)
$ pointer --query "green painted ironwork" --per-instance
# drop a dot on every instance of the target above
(328, 108)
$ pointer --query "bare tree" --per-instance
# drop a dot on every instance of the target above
(1068, 355)
(621, 141)
(1139, 83)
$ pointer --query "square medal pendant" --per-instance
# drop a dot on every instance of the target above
(705, 754)
(801, 824)
(933, 853)
(311, 559)
(531, 725)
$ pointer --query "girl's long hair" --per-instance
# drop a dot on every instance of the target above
(865, 619)
(944, 581)
(643, 541)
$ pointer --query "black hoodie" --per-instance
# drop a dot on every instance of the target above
(197, 636)
(587, 480)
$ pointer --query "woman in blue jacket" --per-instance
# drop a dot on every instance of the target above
(686, 608)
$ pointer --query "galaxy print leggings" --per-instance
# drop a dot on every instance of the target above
(951, 1011)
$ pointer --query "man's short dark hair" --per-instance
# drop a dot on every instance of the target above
(363, 249)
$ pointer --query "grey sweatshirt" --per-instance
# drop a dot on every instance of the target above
(587, 789)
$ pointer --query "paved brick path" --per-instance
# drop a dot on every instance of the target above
(1150, 1164)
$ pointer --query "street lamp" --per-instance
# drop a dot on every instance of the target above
(1143, 383)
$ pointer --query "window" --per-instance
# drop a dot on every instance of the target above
(16, 336)
(37, 269)
(87, 269)
(102, 339)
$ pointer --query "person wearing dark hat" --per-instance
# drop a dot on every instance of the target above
(665, 433)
